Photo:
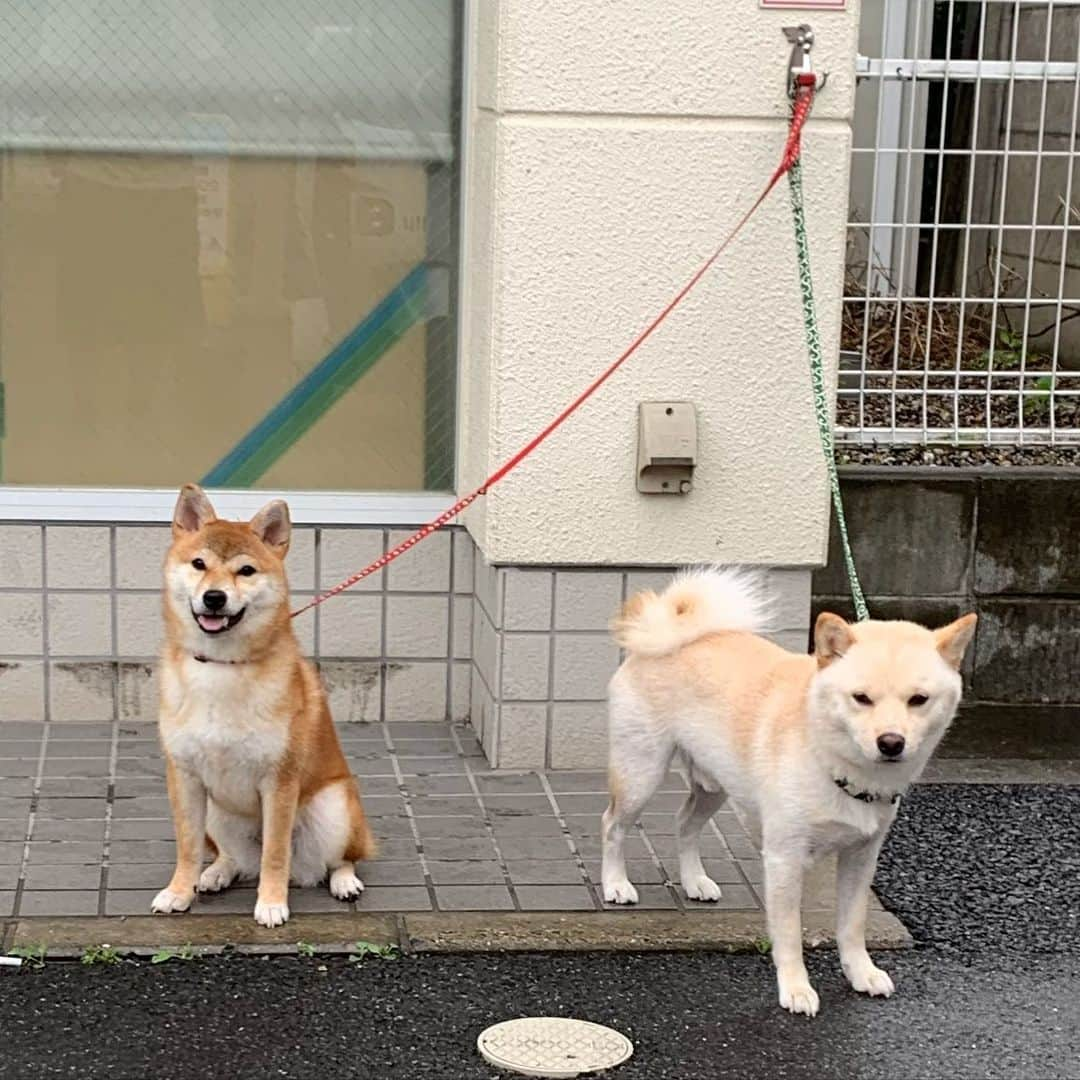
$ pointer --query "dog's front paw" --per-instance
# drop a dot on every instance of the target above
(620, 892)
(867, 978)
(701, 888)
(799, 997)
(344, 884)
(271, 915)
(168, 901)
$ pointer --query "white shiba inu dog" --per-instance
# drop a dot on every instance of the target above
(813, 751)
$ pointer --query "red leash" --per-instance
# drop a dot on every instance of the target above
(804, 99)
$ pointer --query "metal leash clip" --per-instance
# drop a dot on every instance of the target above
(799, 65)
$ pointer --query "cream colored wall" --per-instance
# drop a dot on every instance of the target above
(610, 147)
(155, 308)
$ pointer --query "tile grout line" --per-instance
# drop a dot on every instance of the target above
(479, 555)
(507, 880)
(35, 799)
(114, 625)
(669, 881)
(499, 602)
(500, 666)
(406, 799)
(46, 672)
(624, 592)
(110, 806)
(152, 658)
(475, 662)
(545, 631)
(384, 667)
(160, 777)
(448, 716)
(476, 615)
(128, 590)
(316, 626)
(737, 862)
(550, 711)
(110, 791)
(590, 885)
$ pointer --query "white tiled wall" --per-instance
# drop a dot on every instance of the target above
(542, 656)
(522, 652)
(21, 557)
(80, 622)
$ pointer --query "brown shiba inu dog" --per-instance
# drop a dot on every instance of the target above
(253, 762)
(813, 751)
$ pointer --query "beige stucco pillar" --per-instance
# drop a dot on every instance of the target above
(609, 146)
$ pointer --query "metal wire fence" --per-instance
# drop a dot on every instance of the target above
(962, 295)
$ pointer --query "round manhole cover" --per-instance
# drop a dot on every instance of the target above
(553, 1046)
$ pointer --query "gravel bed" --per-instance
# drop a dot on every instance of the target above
(976, 868)
(940, 418)
(958, 456)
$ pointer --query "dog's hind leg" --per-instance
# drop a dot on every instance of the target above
(237, 844)
(638, 762)
(330, 837)
(344, 882)
(699, 807)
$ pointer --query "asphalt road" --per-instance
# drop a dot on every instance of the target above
(987, 868)
(994, 992)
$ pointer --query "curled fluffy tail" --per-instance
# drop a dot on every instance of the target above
(696, 603)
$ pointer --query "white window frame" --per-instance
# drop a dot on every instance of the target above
(18, 503)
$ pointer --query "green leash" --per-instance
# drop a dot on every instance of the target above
(817, 382)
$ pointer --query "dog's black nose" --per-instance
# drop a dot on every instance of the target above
(891, 744)
(215, 600)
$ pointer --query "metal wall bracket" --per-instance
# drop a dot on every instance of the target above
(802, 41)
(667, 447)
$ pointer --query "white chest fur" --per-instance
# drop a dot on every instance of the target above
(850, 823)
(226, 729)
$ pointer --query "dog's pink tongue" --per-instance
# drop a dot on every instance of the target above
(212, 622)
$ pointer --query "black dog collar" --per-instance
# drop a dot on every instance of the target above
(844, 785)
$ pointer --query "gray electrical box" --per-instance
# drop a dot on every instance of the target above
(667, 447)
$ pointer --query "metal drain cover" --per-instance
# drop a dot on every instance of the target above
(553, 1046)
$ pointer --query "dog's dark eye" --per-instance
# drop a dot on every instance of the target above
(862, 699)
(198, 564)
(917, 699)
(246, 571)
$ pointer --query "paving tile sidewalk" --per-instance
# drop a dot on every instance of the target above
(469, 858)
(85, 829)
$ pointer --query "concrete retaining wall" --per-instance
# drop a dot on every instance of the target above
(932, 544)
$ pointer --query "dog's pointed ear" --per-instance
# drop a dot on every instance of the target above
(953, 639)
(273, 527)
(193, 510)
(832, 638)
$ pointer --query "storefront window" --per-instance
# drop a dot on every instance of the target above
(228, 245)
